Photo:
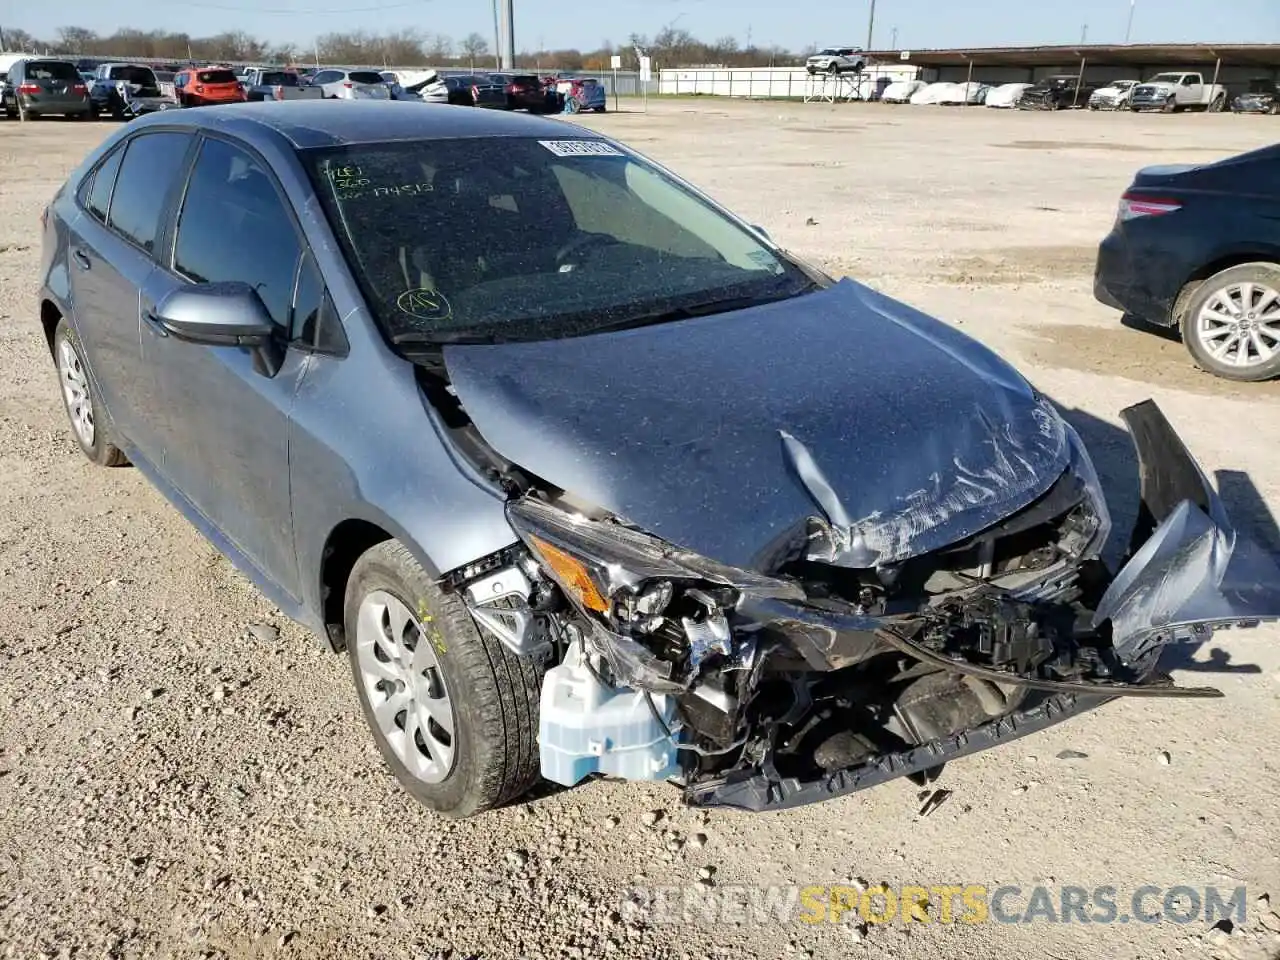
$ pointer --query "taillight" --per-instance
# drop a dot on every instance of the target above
(79, 89)
(514, 88)
(475, 93)
(44, 218)
(1134, 205)
(28, 88)
(347, 85)
(199, 89)
(278, 93)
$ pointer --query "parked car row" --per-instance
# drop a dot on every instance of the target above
(36, 87)
(1165, 92)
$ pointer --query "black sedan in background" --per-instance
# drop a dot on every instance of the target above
(480, 90)
(526, 92)
(1197, 248)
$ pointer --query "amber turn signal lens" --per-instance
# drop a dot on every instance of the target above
(572, 575)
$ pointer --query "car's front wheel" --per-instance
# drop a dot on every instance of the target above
(88, 422)
(1231, 325)
(453, 712)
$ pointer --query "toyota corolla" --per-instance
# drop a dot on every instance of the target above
(587, 476)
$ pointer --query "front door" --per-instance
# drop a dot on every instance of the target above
(224, 425)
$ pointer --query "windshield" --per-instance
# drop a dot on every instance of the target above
(216, 76)
(279, 78)
(1166, 78)
(364, 76)
(468, 239)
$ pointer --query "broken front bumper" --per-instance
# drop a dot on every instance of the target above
(1188, 572)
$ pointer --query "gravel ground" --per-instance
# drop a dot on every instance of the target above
(184, 774)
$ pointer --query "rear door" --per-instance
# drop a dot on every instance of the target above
(112, 247)
(225, 428)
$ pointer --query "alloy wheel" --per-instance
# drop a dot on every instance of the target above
(1240, 324)
(75, 392)
(405, 686)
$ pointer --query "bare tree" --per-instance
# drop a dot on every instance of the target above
(76, 39)
(474, 45)
(395, 48)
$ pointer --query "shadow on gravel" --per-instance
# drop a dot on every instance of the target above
(1116, 461)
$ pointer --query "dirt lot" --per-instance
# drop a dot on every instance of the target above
(184, 774)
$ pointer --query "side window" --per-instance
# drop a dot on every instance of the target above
(152, 164)
(98, 197)
(235, 226)
(315, 323)
(1189, 80)
(327, 76)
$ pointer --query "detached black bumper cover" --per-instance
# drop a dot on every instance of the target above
(1188, 571)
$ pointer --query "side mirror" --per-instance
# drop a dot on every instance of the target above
(222, 315)
(216, 315)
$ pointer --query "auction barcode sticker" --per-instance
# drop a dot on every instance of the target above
(581, 148)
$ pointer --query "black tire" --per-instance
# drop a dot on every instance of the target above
(103, 450)
(1218, 103)
(494, 692)
(833, 69)
(1260, 273)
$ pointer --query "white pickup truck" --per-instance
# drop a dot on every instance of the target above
(1170, 92)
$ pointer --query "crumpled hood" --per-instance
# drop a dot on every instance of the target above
(724, 434)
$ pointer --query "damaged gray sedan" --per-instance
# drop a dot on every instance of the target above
(587, 476)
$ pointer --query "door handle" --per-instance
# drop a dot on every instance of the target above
(82, 259)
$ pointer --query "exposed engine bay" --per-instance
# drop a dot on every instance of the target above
(830, 669)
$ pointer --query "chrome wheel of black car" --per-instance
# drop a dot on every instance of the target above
(1232, 324)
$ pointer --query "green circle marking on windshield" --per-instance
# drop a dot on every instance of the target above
(424, 304)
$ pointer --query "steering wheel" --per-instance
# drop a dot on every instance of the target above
(581, 242)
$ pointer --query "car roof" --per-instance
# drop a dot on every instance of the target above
(324, 123)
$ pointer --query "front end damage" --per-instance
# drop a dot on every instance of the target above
(817, 677)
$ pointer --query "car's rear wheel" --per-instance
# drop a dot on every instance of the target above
(573, 105)
(453, 712)
(1218, 103)
(88, 421)
(1231, 325)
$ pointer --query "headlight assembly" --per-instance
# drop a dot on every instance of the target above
(630, 584)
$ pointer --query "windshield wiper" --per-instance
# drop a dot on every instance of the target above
(703, 308)
(414, 337)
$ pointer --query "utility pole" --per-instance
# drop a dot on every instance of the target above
(871, 24)
(507, 35)
(893, 45)
(497, 39)
(1084, 34)
(1129, 29)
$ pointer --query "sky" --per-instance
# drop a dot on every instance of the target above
(554, 24)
